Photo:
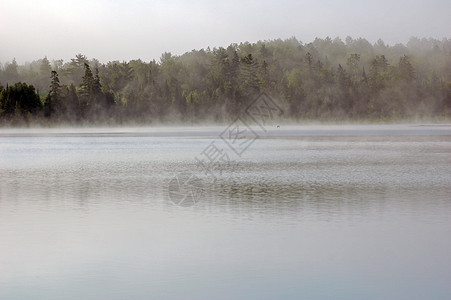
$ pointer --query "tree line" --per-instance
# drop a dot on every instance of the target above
(327, 79)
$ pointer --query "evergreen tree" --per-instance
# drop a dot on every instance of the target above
(406, 71)
(87, 85)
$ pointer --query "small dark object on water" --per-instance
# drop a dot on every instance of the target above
(278, 126)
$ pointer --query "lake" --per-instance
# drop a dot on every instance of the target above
(305, 212)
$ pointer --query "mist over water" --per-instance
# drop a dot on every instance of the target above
(190, 150)
(324, 212)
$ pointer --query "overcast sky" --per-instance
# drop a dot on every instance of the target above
(129, 29)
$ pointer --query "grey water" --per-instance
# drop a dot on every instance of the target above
(303, 212)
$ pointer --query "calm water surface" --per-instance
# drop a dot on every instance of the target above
(313, 212)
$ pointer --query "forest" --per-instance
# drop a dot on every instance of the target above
(324, 80)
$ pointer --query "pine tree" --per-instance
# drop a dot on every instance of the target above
(406, 71)
(52, 103)
(55, 86)
(87, 85)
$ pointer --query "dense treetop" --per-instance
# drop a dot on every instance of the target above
(327, 79)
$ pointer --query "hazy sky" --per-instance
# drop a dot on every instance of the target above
(129, 29)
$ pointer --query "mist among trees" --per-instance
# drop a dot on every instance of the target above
(328, 79)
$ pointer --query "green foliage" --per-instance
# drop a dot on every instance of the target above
(406, 70)
(325, 79)
(20, 98)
